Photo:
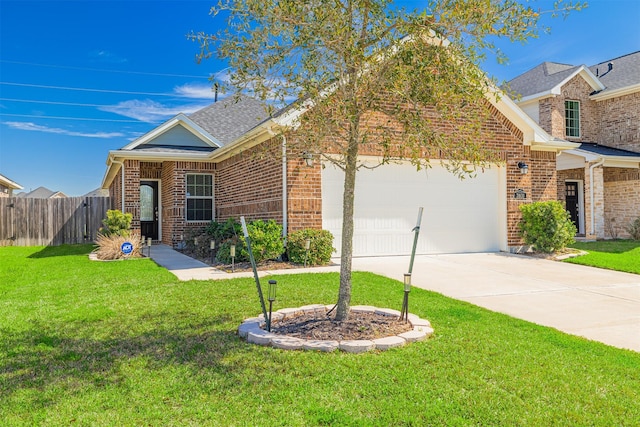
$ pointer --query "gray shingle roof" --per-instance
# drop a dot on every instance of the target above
(625, 71)
(540, 79)
(230, 118)
(592, 147)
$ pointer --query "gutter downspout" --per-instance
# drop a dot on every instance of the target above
(591, 191)
(284, 188)
(117, 162)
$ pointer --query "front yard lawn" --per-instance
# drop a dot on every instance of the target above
(621, 255)
(125, 343)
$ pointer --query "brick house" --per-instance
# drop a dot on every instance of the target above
(230, 159)
(599, 107)
(7, 186)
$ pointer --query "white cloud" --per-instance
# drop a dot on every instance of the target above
(38, 128)
(150, 111)
(106, 56)
(195, 91)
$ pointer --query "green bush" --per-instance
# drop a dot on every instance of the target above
(116, 224)
(546, 226)
(634, 229)
(266, 240)
(221, 231)
(223, 254)
(320, 249)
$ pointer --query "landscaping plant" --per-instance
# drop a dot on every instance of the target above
(320, 248)
(116, 223)
(546, 226)
(110, 246)
(634, 229)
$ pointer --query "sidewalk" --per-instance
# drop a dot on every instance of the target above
(187, 268)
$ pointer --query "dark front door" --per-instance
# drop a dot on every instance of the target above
(571, 199)
(149, 209)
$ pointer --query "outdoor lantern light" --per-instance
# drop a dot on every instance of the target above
(307, 246)
(149, 244)
(272, 290)
(212, 246)
(272, 297)
(308, 158)
(524, 168)
(407, 282)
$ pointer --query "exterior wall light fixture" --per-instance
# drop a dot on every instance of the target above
(308, 158)
(524, 168)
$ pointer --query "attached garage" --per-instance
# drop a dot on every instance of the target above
(459, 215)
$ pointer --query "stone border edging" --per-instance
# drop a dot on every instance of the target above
(251, 330)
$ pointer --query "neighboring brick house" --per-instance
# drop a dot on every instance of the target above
(231, 159)
(599, 107)
(7, 186)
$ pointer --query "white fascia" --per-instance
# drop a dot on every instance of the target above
(628, 90)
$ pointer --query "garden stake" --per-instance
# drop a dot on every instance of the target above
(253, 264)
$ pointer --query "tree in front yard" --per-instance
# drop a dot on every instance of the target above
(404, 83)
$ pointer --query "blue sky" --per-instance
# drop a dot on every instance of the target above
(80, 78)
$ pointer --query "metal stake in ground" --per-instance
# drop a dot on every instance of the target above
(253, 264)
(416, 229)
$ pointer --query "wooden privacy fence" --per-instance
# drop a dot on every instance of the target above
(51, 222)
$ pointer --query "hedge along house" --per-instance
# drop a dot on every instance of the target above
(230, 159)
(598, 107)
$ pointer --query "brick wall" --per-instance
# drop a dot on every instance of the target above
(621, 198)
(115, 191)
(619, 125)
(132, 191)
(612, 122)
(174, 198)
(250, 183)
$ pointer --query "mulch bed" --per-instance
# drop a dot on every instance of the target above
(359, 326)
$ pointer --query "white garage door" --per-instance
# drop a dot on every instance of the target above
(459, 215)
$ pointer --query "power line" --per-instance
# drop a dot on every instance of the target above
(82, 89)
(104, 70)
(74, 118)
(33, 101)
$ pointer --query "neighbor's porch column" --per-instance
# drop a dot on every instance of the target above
(594, 201)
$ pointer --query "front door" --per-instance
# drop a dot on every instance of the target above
(572, 202)
(149, 209)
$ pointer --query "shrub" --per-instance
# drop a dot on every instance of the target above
(116, 223)
(320, 249)
(197, 242)
(110, 247)
(266, 240)
(546, 226)
(221, 231)
(634, 229)
(223, 253)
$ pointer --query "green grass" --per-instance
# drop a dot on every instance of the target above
(621, 255)
(124, 343)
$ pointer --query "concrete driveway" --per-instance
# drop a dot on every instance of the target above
(598, 304)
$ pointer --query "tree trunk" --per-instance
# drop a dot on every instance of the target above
(351, 164)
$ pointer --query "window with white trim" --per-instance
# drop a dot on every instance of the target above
(199, 197)
(572, 118)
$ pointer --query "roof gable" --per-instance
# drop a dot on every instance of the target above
(9, 183)
(178, 131)
(547, 80)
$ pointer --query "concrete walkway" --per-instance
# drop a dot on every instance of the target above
(598, 304)
(187, 268)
